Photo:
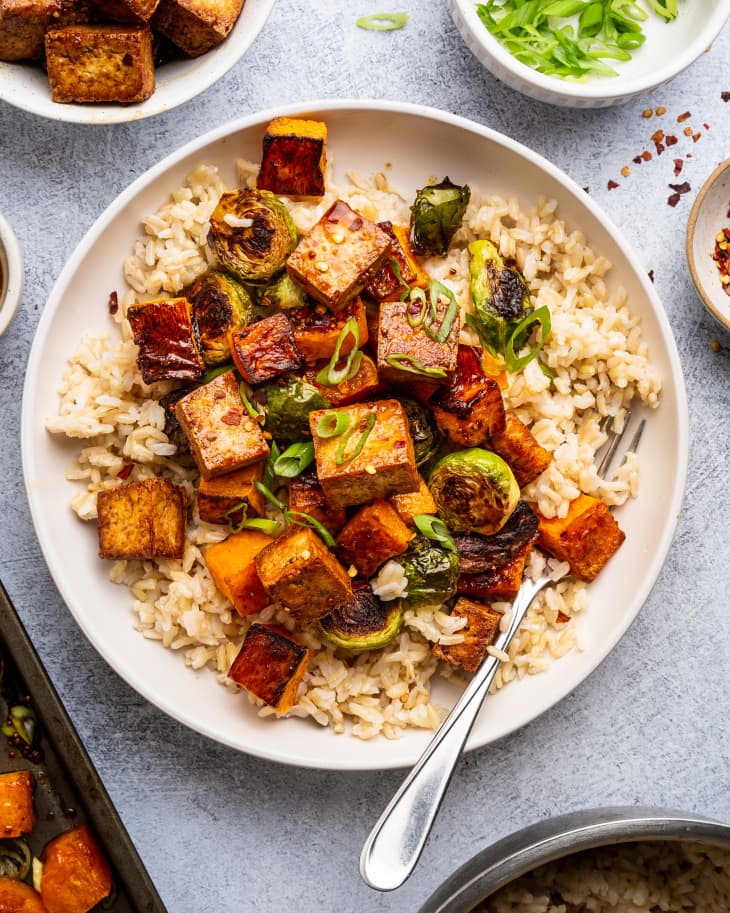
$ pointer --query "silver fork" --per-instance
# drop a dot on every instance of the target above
(395, 843)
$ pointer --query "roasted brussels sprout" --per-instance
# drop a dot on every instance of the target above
(422, 425)
(286, 405)
(501, 298)
(474, 490)
(252, 234)
(363, 622)
(436, 215)
(174, 432)
(283, 293)
(431, 572)
(218, 304)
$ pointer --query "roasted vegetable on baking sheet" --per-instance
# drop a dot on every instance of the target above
(436, 215)
(363, 622)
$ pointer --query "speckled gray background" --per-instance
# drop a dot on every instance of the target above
(220, 831)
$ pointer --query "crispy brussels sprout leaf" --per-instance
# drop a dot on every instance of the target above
(421, 423)
(363, 622)
(436, 215)
(283, 293)
(431, 571)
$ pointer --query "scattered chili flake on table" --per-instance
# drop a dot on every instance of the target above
(651, 274)
(721, 256)
(684, 117)
(725, 96)
(673, 199)
(612, 185)
(671, 140)
(646, 155)
(678, 166)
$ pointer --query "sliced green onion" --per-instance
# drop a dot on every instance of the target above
(540, 316)
(434, 528)
(436, 291)
(15, 858)
(395, 266)
(294, 460)
(302, 519)
(21, 721)
(332, 424)
(252, 412)
(331, 375)
(270, 496)
(383, 22)
(212, 373)
(269, 474)
(416, 320)
(414, 365)
(270, 527)
(365, 430)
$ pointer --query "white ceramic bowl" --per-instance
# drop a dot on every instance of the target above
(11, 275)
(669, 48)
(410, 143)
(176, 82)
(708, 216)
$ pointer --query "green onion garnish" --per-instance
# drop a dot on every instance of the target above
(414, 365)
(302, 519)
(252, 413)
(332, 424)
(383, 22)
(270, 527)
(21, 721)
(519, 335)
(331, 375)
(436, 291)
(269, 474)
(340, 456)
(433, 528)
(294, 460)
(269, 495)
(212, 373)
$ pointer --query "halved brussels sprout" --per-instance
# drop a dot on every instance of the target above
(474, 490)
(286, 405)
(283, 293)
(501, 298)
(218, 304)
(436, 215)
(252, 234)
(363, 622)
(424, 432)
(431, 572)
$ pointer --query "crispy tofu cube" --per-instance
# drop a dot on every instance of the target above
(300, 571)
(586, 537)
(386, 284)
(316, 329)
(75, 875)
(373, 535)
(221, 499)
(337, 258)
(469, 407)
(100, 63)
(233, 569)
(16, 803)
(265, 350)
(221, 434)
(144, 519)
(407, 353)
(294, 157)
(163, 330)
(374, 458)
(131, 11)
(500, 584)
(23, 25)
(306, 495)
(364, 385)
(517, 446)
(480, 632)
(270, 665)
(411, 503)
(195, 26)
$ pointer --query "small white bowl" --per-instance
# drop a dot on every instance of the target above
(11, 275)
(710, 213)
(669, 48)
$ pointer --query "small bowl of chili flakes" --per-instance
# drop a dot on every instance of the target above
(708, 243)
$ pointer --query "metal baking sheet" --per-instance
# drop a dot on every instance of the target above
(68, 789)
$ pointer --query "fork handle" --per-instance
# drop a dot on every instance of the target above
(396, 842)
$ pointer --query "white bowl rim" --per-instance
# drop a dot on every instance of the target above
(13, 257)
(322, 106)
(596, 89)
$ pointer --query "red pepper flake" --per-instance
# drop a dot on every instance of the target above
(562, 618)
(660, 148)
(651, 274)
(637, 160)
(646, 155)
(725, 96)
(721, 256)
(683, 117)
(232, 417)
(113, 303)
(612, 185)
(657, 136)
(671, 140)
(674, 199)
(706, 126)
(125, 472)
(678, 166)
(681, 188)
(696, 136)
(586, 190)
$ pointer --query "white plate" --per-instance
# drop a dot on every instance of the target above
(419, 142)
(176, 82)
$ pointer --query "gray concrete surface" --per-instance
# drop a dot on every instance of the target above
(221, 831)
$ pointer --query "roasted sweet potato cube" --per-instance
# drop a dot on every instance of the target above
(586, 537)
(19, 897)
(336, 259)
(265, 350)
(469, 407)
(76, 875)
(480, 632)
(407, 353)
(499, 584)
(375, 460)
(100, 63)
(411, 503)
(316, 329)
(364, 385)
(233, 569)
(221, 434)
(132, 11)
(144, 519)
(391, 280)
(16, 803)
(271, 665)
(195, 26)
(294, 157)
(167, 347)
(221, 499)
(373, 535)
(306, 495)
(23, 25)
(517, 446)
(300, 571)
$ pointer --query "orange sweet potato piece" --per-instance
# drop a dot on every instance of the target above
(231, 565)
(411, 503)
(517, 446)
(498, 584)
(18, 897)
(373, 535)
(222, 494)
(469, 407)
(385, 284)
(480, 632)
(76, 876)
(270, 665)
(316, 329)
(16, 803)
(364, 385)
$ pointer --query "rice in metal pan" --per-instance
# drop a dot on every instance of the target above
(600, 364)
